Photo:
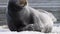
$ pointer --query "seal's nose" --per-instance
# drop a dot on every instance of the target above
(22, 1)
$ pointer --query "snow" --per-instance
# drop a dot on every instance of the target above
(4, 28)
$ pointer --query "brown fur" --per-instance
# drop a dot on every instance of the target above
(22, 2)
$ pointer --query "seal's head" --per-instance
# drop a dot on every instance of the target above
(21, 2)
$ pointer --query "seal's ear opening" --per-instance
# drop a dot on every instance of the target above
(22, 2)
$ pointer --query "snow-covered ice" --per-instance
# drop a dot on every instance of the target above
(4, 28)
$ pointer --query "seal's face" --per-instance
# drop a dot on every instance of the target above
(21, 2)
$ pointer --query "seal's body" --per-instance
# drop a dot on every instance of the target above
(20, 16)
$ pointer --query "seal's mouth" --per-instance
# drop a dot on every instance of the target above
(22, 2)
